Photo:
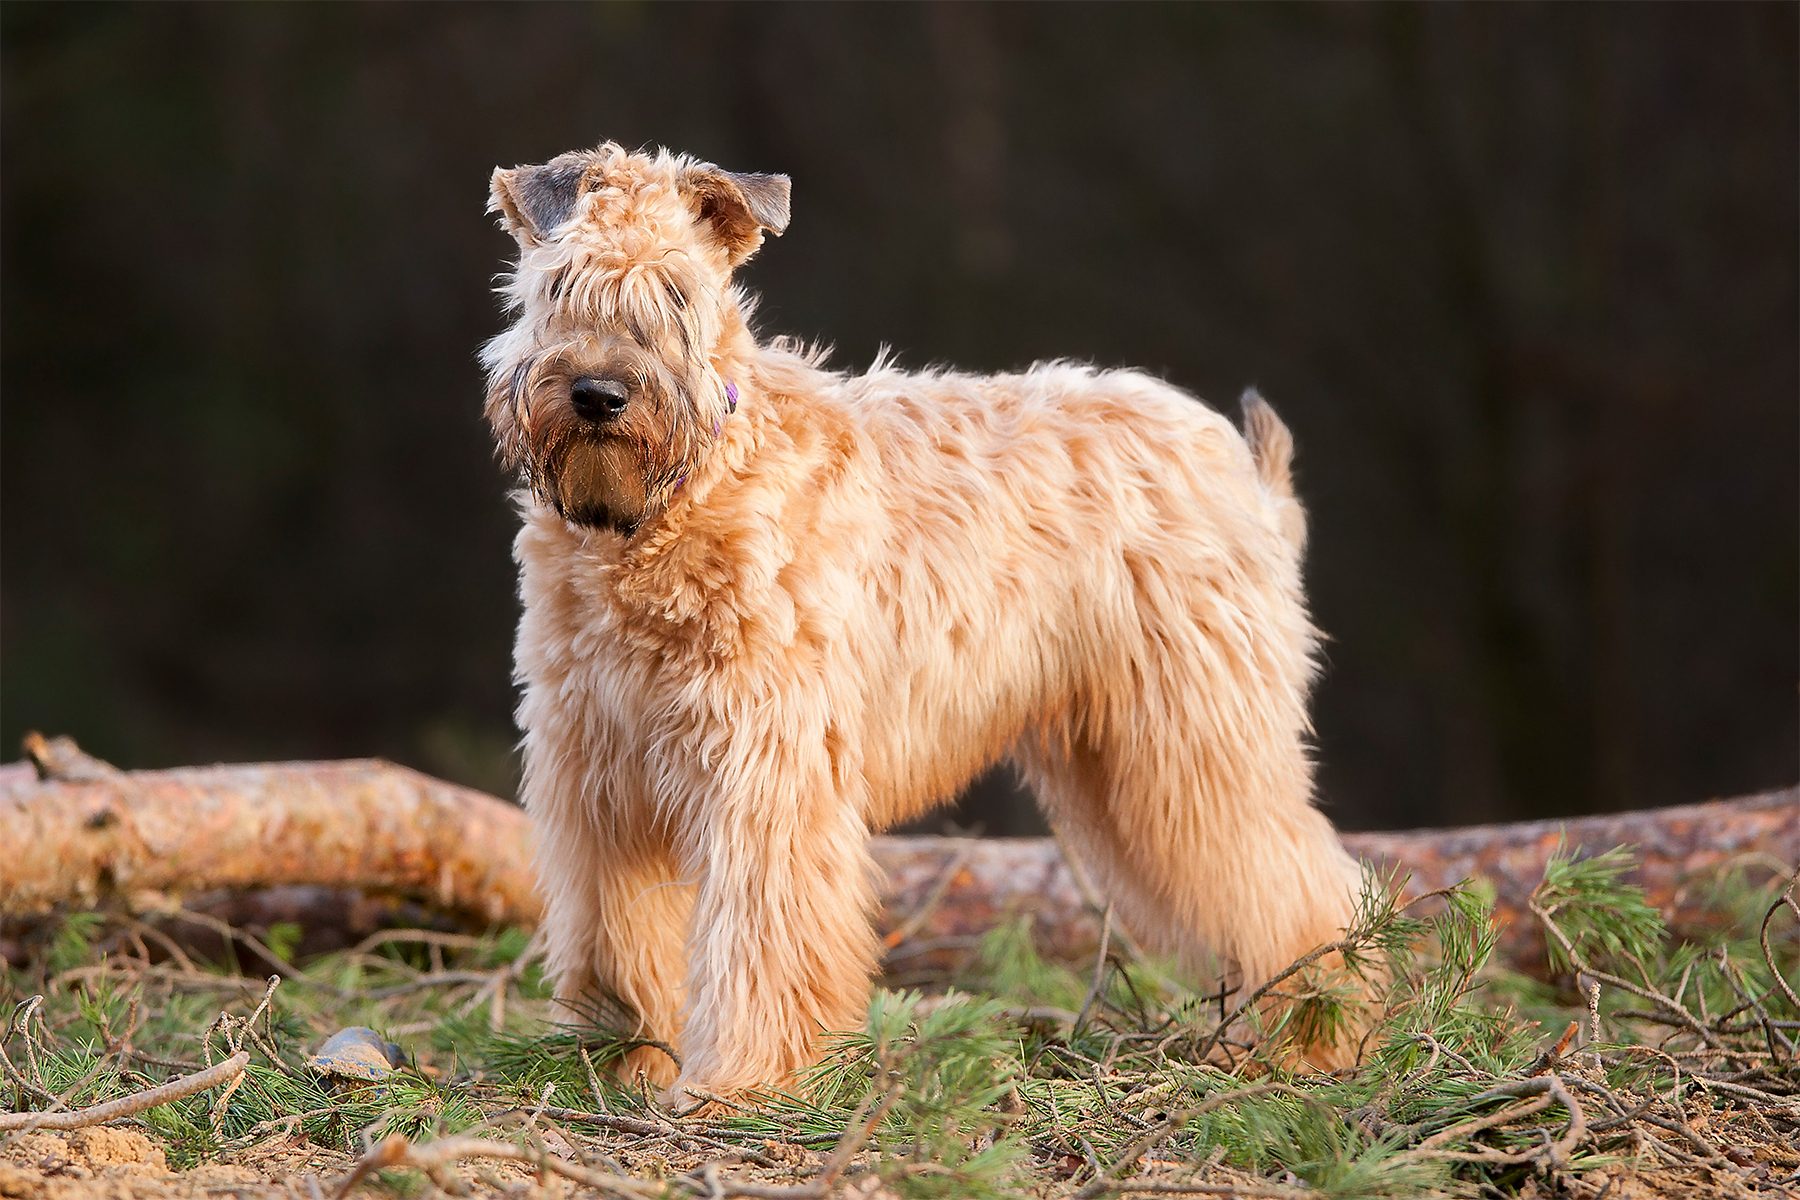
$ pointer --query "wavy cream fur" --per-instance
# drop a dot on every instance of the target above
(864, 590)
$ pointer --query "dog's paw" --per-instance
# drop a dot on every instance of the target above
(645, 1068)
(687, 1099)
(690, 1103)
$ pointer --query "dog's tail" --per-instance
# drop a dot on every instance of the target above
(1272, 446)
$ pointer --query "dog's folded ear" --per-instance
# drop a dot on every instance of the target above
(533, 201)
(739, 207)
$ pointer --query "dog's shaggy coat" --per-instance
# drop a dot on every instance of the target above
(771, 607)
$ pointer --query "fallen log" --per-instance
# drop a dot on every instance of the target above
(976, 883)
(370, 827)
(360, 824)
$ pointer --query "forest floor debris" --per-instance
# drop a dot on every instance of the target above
(1645, 1065)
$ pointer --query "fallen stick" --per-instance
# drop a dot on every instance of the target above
(132, 1105)
(342, 829)
(433, 1157)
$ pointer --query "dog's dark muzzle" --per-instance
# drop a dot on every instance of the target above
(598, 400)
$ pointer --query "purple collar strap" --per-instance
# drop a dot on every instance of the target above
(730, 404)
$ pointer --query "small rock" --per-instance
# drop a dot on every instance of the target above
(357, 1054)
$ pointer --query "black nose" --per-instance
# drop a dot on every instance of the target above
(598, 399)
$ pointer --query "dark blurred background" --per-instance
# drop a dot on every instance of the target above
(1522, 279)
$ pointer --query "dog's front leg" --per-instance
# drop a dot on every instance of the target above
(782, 944)
(615, 922)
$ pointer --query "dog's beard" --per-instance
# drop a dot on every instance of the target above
(600, 482)
(616, 476)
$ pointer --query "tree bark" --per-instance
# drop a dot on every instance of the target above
(1675, 847)
(359, 824)
(370, 827)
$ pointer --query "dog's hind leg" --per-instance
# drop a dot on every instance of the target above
(1198, 860)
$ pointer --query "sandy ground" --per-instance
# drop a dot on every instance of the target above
(122, 1164)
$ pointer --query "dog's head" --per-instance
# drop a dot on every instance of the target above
(610, 385)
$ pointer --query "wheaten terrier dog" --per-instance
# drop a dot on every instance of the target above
(770, 607)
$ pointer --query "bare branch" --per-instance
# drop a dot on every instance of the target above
(132, 1105)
